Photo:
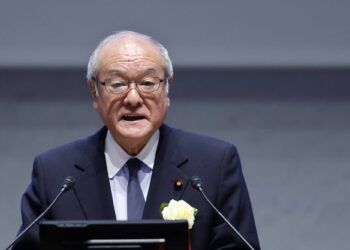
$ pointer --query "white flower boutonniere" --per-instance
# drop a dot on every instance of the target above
(179, 210)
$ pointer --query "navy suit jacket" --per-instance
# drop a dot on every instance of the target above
(180, 155)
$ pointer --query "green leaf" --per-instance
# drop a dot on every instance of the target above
(162, 206)
(195, 211)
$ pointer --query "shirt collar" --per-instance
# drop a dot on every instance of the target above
(116, 157)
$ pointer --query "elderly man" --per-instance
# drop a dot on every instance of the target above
(128, 168)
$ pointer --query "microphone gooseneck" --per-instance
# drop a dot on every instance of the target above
(68, 183)
(197, 185)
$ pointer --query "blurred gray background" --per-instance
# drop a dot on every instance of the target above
(281, 71)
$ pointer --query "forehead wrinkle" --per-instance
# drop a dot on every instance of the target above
(124, 73)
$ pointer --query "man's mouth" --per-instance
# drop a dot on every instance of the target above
(132, 117)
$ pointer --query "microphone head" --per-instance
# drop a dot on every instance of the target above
(68, 183)
(196, 183)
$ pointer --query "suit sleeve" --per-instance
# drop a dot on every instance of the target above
(32, 205)
(234, 202)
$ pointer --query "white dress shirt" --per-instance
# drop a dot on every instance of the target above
(118, 175)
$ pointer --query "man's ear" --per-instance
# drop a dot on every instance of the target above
(94, 93)
(92, 88)
(169, 83)
(170, 80)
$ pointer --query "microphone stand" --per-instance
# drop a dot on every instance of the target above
(68, 183)
(196, 184)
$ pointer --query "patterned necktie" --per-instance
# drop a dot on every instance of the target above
(136, 201)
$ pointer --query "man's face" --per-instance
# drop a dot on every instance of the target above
(133, 117)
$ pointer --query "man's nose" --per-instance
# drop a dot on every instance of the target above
(133, 97)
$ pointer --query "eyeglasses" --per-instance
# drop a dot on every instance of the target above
(118, 85)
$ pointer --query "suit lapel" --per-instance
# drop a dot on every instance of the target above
(167, 170)
(92, 186)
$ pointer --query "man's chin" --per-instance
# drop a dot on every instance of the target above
(133, 140)
(134, 134)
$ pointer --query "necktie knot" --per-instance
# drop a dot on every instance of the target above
(134, 166)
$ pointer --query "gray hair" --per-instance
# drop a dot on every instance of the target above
(93, 67)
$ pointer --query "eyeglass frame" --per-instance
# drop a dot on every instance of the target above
(129, 82)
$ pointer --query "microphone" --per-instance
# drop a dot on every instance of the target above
(197, 185)
(68, 183)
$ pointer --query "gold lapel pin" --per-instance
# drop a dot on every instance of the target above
(179, 184)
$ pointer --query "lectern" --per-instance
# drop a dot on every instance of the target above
(141, 234)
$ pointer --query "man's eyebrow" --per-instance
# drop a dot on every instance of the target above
(123, 73)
